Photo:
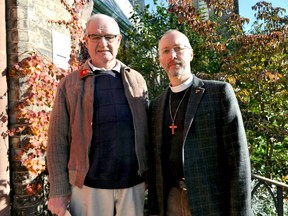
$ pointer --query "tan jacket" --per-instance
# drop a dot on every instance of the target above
(70, 128)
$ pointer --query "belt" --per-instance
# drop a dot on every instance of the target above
(181, 184)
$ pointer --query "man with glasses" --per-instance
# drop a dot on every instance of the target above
(199, 162)
(98, 132)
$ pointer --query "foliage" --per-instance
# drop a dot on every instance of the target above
(139, 49)
(39, 78)
(256, 65)
(268, 18)
(263, 200)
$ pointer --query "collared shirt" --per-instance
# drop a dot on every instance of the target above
(116, 68)
(182, 86)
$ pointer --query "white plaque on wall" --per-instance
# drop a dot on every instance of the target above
(61, 49)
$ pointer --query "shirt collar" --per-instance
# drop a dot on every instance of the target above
(116, 68)
(182, 86)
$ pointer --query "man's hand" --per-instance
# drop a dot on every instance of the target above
(58, 205)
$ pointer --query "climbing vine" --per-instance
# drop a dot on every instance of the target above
(38, 79)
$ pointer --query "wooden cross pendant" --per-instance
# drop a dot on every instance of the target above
(173, 127)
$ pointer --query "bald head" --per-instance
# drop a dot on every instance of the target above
(172, 34)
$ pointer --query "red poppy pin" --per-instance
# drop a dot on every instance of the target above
(84, 72)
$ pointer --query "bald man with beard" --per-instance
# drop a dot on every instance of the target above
(199, 163)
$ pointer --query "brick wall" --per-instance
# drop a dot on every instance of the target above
(4, 146)
(27, 30)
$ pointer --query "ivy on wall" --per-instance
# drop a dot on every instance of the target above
(38, 79)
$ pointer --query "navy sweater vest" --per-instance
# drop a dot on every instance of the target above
(112, 157)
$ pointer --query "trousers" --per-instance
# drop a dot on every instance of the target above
(108, 202)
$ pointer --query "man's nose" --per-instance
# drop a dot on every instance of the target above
(102, 40)
(173, 54)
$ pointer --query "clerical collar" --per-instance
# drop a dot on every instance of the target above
(182, 86)
(116, 68)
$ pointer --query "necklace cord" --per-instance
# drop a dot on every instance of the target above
(170, 107)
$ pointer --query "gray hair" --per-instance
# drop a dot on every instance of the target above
(103, 16)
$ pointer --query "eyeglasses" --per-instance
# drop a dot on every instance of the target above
(96, 38)
(177, 49)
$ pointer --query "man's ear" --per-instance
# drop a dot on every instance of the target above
(119, 38)
(192, 54)
(86, 40)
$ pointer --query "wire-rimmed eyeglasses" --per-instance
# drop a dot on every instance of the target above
(179, 49)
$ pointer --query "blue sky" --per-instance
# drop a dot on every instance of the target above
(245, 8)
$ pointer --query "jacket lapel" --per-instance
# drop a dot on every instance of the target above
(196, 94)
